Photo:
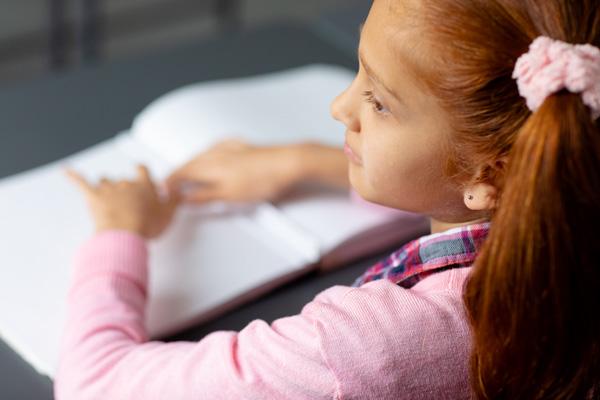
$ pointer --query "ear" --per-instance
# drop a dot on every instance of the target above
(480, 196)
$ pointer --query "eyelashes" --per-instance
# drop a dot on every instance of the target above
(377, 106)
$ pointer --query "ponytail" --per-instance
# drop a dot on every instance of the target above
(533, 298)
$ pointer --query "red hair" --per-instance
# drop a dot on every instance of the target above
(533, 298)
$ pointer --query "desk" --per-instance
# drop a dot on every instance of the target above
(48, 119)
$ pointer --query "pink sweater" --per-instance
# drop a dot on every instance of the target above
(379, 341)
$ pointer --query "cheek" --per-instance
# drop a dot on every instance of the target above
(393, 168)
(403, 171)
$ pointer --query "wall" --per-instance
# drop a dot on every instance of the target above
(130, 26)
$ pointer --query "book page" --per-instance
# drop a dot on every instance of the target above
(208, 257)
(141, 154)
(332, 215)
(44, 219)
(207, 260)
(337, 218)
(278, 108)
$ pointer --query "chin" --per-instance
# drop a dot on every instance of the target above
(367, 193)
(363, 190)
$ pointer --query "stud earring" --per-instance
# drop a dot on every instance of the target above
(470, 197)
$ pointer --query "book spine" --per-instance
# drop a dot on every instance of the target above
(138, 152)
(271, 219)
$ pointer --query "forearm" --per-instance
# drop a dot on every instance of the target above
(105, 352)
(314, 162)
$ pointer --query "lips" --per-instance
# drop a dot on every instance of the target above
(351, 154)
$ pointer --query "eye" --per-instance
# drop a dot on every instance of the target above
(377, 106)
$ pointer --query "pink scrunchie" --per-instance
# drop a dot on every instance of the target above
(553, 65)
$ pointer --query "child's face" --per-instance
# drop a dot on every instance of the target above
(397, 131)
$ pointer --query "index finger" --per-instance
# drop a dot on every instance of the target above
(144, 175)
(78, 180)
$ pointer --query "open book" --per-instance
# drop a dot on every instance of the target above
(213, 257)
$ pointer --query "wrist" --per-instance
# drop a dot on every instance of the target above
(102, 227)
(294, 159)
(321, 163)
(303, 162)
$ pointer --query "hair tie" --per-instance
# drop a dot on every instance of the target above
(552, 65)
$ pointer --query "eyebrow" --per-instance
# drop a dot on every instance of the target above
(372, 74)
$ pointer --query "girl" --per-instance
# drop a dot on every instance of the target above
(435, 124)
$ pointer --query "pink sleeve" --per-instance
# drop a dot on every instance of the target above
(105, 352)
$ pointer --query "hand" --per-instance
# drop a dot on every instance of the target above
(236, 171)
(134, 206)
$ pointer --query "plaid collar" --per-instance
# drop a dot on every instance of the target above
(454, 248)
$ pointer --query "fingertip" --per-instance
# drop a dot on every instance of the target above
(77, 179)
(144, 173)
(72, 174)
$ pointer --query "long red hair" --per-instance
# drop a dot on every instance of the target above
(533, 298)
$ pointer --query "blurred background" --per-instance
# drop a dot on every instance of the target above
(39, 37)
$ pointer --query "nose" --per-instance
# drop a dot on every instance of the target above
(346, 109)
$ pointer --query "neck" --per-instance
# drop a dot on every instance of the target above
(441, 226)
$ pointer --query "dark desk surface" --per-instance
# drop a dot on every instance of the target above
(48, 119)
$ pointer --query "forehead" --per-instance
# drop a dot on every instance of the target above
(390, 42)
(396, 24)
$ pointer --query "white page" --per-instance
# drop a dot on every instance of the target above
(278, 108)
(226, 256)
(334, 216)
(207, 257)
